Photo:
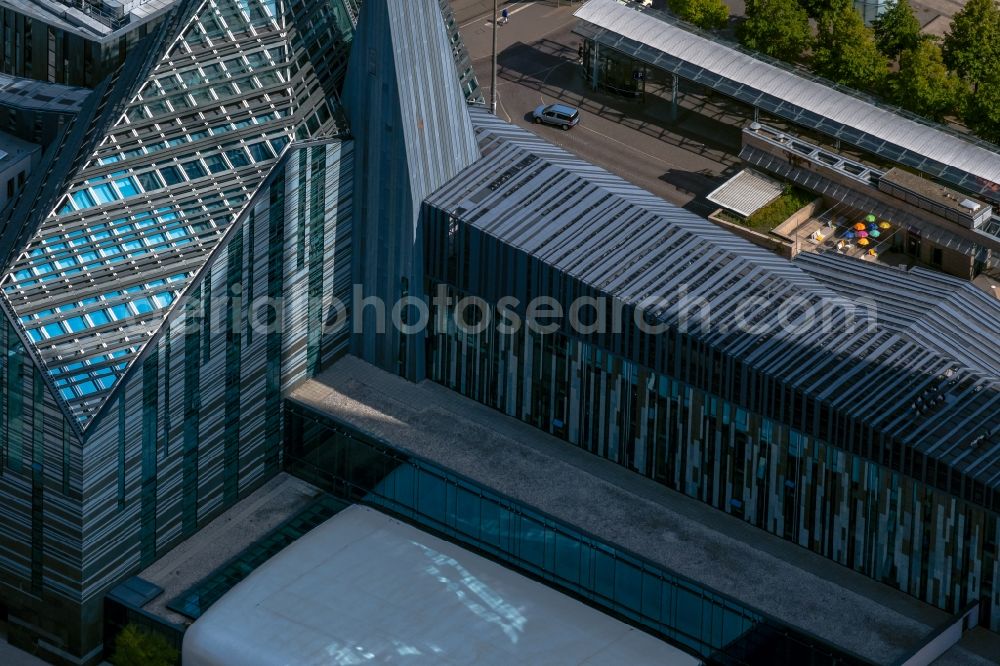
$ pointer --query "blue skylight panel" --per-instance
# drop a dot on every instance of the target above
(104, 193)
(171, 175)
(216, 164)
(260, 152)
(127, 186)
(143, 305)
(150, 181)
(83, 200)
(77, 324)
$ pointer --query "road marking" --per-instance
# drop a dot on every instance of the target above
(503, 108)
(486, 16)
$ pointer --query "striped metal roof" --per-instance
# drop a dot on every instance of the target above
(625, 242)
(661, 41)
(746, 192)
(941, 312)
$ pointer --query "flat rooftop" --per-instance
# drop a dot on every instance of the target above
(13, 149)
(251, 519)
(790, 583)
(938, 194)
(28, 94)
(93, 24)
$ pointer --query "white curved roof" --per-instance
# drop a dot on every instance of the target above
(364, 588)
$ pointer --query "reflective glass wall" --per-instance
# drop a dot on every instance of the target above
(357, 467)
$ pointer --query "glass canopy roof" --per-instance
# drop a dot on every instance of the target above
(168, 180)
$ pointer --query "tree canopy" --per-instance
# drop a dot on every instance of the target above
(138, 647)
(897, 29)
(972, 47)
(779, 28)
(816, 8)
(982, 108)
(924, 85)
(707, 14)
(845, 49)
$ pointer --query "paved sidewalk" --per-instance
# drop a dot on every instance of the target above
(12, 656)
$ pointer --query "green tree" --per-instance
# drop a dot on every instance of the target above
(972, 46)
(924, 85)
(779, 28)
(138, 647)
(897, 29)
(816, 8)
(982, 108)
(707, 14)
(845, 49)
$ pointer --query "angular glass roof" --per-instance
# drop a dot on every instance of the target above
(168, 180)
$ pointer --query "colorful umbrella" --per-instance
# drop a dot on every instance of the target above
(849, 234)
(862, 234)
(860, 226)
(872, 253)
(875, 233)
(862, 242)
(870, 218)
(884, 225)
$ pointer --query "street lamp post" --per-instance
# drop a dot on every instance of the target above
(493, 75)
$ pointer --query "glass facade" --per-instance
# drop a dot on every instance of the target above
(670, 407)
(163, 187)
(57, 53)
(718, 629)
(172, 204)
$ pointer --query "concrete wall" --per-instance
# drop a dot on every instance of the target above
(766, 241)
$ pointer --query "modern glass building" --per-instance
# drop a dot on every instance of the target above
(141, 386)
(757, 385)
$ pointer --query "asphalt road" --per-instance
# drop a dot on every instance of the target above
(538, 63)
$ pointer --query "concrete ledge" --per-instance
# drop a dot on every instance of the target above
(722, 552)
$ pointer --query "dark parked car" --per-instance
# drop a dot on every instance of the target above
(559, 115)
